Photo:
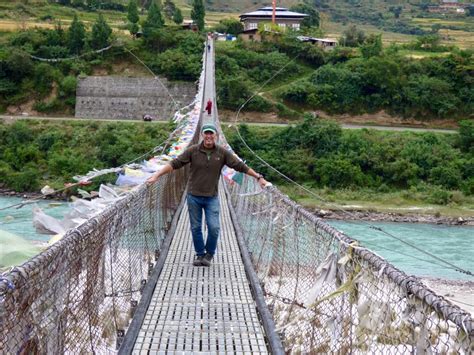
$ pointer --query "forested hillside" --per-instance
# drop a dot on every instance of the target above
(363, 79)
(423, 79)
(36, 153)
(419, 167)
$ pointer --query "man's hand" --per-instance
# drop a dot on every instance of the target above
(152, 179)
(262, 182)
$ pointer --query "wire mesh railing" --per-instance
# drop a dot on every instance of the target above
(327, 294)
(79, 295)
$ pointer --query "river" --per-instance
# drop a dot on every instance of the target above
(455, 244)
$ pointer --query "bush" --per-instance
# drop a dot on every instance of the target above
(7, 87)
(160, 40)
(52, 52)
(322, 137)
(427, 95)
(439, 196)
(297, 92)
(177, 65)
(47, 139)
(18, 65)
(284, 111)
(259, 103)
(231, 25)
(68, 162)
(233, 92)
(67, 87)
(337, 173)
(447, 176)
(467, 186)
(336, 89)
(466, 136)
(55, 105)
(402, 173)
(25, 180)
(44, 77)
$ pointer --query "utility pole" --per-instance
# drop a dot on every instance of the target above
(274, 3)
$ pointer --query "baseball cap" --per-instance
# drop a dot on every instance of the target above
(209, 127)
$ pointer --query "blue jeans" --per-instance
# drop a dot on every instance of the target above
(210, 205)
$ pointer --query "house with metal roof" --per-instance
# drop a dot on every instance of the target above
(324, 43)
(283, 18)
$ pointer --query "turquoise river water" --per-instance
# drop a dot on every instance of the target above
(19, 241)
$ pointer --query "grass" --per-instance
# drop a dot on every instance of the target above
(428, 22)
(422, 54)
(462, 39)
(402, 202)
(284, 81)
(335, 29)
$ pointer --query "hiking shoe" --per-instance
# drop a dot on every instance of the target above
(207, 260)
(198, 260)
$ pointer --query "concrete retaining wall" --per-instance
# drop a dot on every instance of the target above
(112, 97)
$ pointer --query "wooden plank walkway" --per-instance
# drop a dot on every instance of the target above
(204, 310)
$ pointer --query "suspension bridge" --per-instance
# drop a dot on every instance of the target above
(283, 281)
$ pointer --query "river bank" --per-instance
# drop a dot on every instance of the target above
(374, 216)
(33, 195)
(458, 292)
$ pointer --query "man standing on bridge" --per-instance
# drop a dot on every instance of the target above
(207, 160)
(209, 106)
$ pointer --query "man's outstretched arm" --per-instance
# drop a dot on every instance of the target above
(175, 164)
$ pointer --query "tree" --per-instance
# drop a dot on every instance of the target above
(132, 17)
(154, 20)
(336, 89)
(337, 172)
(57, 37)
(466, 136)
(101, 32)
(197, 14)
(446, 175)
(177, 65)
(94, 4)
(17, 65)
(430, 96)
(396, 10)
(147, 3)
(435, 28)
(160, 40)
(177, 16)
(77, 3)
(44, 76)
(372, 46)
(321, 136)
(76, 36)
(352, 37)
(312, 20)
(229, 25)
(169, 8)
(430, 42)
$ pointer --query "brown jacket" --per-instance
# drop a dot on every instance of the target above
(205, 172)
